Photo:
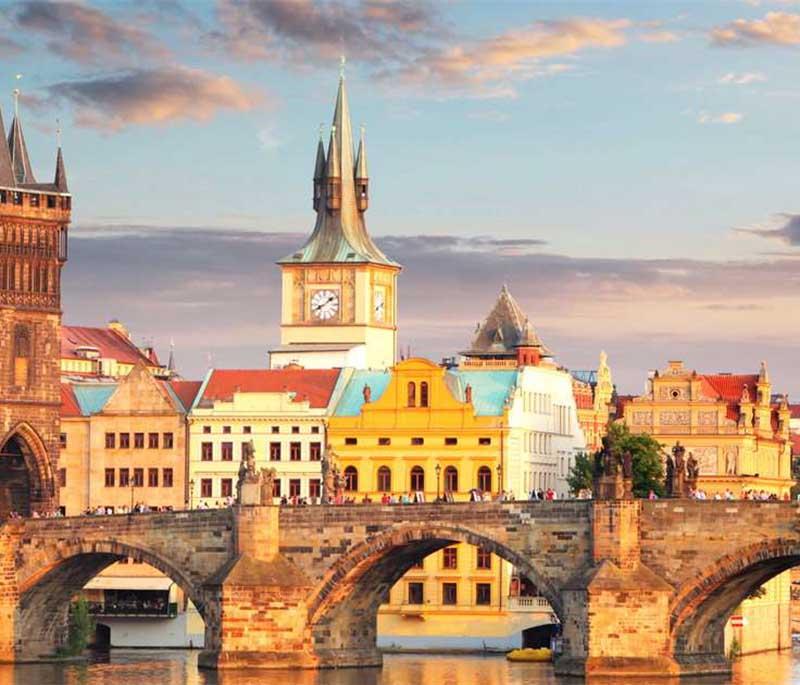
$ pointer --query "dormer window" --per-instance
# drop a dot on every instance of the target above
(412, 394)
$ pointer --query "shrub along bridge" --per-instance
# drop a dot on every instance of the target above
(640, 587)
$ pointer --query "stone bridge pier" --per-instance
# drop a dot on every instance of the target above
(641, 588)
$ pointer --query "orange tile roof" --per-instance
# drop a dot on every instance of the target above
(69, 405)
(729, 387)
(795, 410)
(110, 344)
(186, 391)
(314, 385)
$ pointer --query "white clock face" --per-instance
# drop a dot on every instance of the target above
(324, 304)
(380, 306)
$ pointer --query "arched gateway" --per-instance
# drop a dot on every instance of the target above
(26, 478)
(641, 588)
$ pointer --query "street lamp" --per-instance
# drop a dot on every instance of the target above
(438, 470)
(191, 494)
(133, 486)
(500, 480)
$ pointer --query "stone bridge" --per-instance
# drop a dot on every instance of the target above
(641, 587)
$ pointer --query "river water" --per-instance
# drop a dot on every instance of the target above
(139, 667)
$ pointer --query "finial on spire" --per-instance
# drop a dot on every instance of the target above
(58, 132)
(321, 132)
(16, 93)
(342, 63)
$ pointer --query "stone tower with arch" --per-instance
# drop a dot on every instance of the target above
(34, 218)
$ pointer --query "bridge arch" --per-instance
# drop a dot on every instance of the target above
(700, 610)
(58, 572)
(25, 473)
(343, 607)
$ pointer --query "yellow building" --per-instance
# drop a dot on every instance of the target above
(594, 393)
(339, 291)
(740, 438)
(420, 431)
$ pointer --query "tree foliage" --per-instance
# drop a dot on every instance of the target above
(648, 468)
(81, 628)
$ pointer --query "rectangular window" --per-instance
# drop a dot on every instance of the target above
(276, 487)
(152, 478)
(315, 451)
(294, 451)
(351, 441)
(152, 441)
(62, 441)
(125, 441)
(483, 594)
(449, 593)
(207, 451)
(247, 430)
(416, 593)
(227, 451)
(315, 429)
(484, 441)
(315, 488)
(227, 487)
(206, 429)
(138, 441)
(417, 441)
(276, 429)
(62, 478)
(384, 441)
(111, 441)
(450, 558)
(138, 478)
(484, 559)
(169, 441)
(451, 441)
(109, 478)
(205, 487)
(166, 478)
(124, 478)
(294, 487)
(274, 451)
(295, 429)
(226, 429)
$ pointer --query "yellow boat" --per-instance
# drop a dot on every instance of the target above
(541, 654)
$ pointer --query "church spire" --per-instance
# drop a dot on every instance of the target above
(319, 169)
(20, 162)
(60, 180)
(6, 170)
(362, 175)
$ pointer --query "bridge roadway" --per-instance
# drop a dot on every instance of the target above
(641, 587)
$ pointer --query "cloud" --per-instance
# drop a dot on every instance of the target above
(209, 290)
(157, 96)
(85, 34)
(776, 28)
(660, 37)
(268, 137)
(743, 79)
(487, 66)
(9, 47)
(302, 30)
(724, 118)
(784, 227)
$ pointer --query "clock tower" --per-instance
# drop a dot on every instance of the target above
(339, 291)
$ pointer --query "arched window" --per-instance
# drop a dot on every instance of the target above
(384, 479)
(351, 479)
(22, 354)
(451, 479)
(485, 479)
(412, 394)
(417, 479)
(423, 394)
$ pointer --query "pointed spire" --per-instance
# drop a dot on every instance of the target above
(61, 173)
(20, 162)
(763, 374)
(6, 170)
(361, 157)
(333, 168)
(319, 164)
(171, 361)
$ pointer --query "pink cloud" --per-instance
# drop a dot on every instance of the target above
(776, 28)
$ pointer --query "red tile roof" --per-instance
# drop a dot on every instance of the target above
(110, 344)
(186, 391)
(728, 387)
(582, 392)
(795, 410)
(795, 440)
(314, 385)
(69, 405)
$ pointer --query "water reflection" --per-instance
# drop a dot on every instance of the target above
(132, 667)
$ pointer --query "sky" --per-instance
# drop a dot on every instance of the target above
(628, 168)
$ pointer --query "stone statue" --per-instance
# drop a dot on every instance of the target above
(692, 468)
(730, 461)
(669, 469)
(598, 464)
(627, 465)
(609, 460)
(338, 480)
(247, 469)
(679, 475)
(266, 483)
(328, 475)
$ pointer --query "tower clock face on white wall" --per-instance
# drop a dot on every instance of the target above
(380, 305)
(324, 304)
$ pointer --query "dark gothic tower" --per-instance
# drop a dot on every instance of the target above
(34, 219)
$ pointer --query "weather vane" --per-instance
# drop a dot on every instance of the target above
(342, 62)
(321, 131)
(58, 132)
(16, 93)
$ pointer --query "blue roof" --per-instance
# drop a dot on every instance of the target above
(589, 377)
(490, 389)
(353, 396)
(92, 398)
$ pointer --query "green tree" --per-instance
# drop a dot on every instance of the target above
(648, 469)
(81, 628)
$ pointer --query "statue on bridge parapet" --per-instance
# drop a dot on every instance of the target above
(266, 484)
(669, 475)
(692, 473)
(249, 489)
(332, 480)
(613, 475)
(679, 473)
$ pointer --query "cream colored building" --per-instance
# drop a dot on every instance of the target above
(281, 412)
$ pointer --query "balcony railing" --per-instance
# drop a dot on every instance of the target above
(529, 604)
(138, 609)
